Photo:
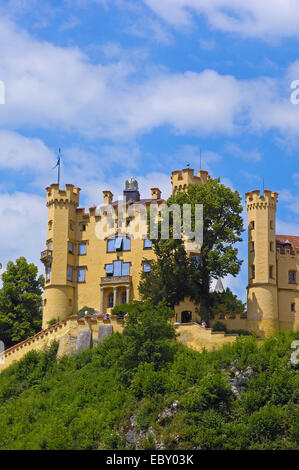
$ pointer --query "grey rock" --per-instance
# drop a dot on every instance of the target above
(84, 340)
(131, 437)
(104, 332)
(169, 412)
(239, 379)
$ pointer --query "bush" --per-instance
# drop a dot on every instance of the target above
(83, 310)
(220, 326)
(120, 310)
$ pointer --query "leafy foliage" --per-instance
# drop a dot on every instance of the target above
(83, 402)
(227, 302)
(20, 302)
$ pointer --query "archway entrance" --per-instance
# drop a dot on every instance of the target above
(186, 316)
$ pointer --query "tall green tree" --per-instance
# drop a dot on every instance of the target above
(222, 229)
(173, 275)
(147, 335)
(20, 302)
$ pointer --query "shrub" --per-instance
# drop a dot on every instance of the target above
(220, 326)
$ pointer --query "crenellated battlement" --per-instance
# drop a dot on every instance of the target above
(181, 179)
(69, 195)
(256, 200)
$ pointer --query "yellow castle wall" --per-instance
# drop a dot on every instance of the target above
(198, 338)
(60, 332)
(237, 323)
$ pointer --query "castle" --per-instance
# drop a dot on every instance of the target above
(85, 270)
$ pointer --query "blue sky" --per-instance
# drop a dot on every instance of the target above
(137, 87)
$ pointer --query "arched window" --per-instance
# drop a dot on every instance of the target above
(124, 297)
(110, 300)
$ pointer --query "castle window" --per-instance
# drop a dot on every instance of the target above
(81, 274)
(110, 300)
(50, 224)
(71, 247)
(118, 244)
(125, 269)
(251, 246)
(124, 297)
(111, 245)
(118, 268)
(271, 272)
(49, 245)
(271, 224)
(126, 244)
(48, 273)
(83, 227)
(292, 277)
(271, 246)
(147, 244)
(146, 267)
(251, 225)
(293, 307)
(253, 271)
(109, 269)
(71, 226)
(70, 274)
(82, 249)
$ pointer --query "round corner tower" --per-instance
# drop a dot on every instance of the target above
(59, 257)
(262, 293)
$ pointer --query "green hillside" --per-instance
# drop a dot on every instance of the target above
(244, 396)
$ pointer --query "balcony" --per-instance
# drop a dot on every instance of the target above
(46, 257)
(115, 281)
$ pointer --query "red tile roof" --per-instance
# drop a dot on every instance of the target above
(294, 241)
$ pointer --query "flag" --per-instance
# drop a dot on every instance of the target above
(58, 160)
(57, 163)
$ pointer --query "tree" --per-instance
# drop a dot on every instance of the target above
(225, 302)
(222, 228)
(20, 302)
(147, 335)
(172, 275)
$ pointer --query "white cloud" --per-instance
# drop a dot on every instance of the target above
(20, 153)
(296, 178)
(237, 151)
(287, 228)
(59, 88)
(290, 200)
(23, 217)
(265, 19)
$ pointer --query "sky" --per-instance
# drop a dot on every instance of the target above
(137, 88)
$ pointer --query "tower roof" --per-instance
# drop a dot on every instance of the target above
(219, 289)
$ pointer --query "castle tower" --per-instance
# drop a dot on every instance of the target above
(59, 257)
(181, 179)
(262, 292)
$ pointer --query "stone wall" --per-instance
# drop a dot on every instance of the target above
(238, 322)
(196, 337)
(75, 334)
(72, 333)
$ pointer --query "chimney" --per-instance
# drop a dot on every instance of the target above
(108, 197)
(156, 193)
